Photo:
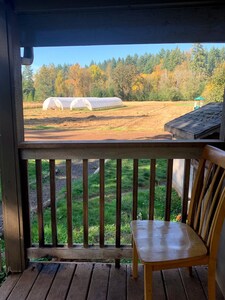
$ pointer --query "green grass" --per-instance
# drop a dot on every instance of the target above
(110, 204)
(42, 127)
(32, 172)
(3, 270)
(110, 217)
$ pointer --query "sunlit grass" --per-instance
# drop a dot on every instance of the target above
(3, 265)
(110, 204)
(42, 127)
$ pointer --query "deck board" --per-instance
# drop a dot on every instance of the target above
(203, 274)
(99, 282)
(192, 284)
(61, 282)
(81, 280)
(174, 285)
(103, 282)
(43, 282)
(117, 283)
(135, 290)
(158, 286)
(8, 286)
(25, 283)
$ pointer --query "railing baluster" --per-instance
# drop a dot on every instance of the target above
(25, 202)
(69, 203)
(185, 190)
(85, 202)
(39, 202)
(118, 201)
(102, 203)
(152, 189)
(168, 189)
(53, 201)
(151, 152)
(135, 189)
(118, 205)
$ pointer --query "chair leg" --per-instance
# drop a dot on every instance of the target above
(135, 262)
(212, 281)
(148, 282)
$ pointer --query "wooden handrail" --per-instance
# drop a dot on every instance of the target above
(114, 149)
(151, 150)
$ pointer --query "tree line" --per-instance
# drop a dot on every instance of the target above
(167, 75)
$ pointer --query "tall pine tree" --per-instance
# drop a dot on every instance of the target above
(28, 84)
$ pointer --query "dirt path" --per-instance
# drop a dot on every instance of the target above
(61, 135)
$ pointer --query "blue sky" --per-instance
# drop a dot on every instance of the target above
(85, 54)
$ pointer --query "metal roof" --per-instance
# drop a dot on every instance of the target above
(197, 124)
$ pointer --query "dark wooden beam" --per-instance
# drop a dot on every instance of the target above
(123, 26)
(11, 194)
(43, 5)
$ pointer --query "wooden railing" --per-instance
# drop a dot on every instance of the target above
(100, 151)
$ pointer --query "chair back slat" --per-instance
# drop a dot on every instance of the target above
(208, 197)
(206, 201)
(213, 207)
(204, 192)
(216, 227)
(196, 192)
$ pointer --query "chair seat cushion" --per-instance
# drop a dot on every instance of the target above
(161, 241)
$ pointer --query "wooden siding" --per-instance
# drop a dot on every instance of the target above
(103, 282)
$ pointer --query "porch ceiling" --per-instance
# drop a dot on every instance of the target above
(65, 23)
(26, 5)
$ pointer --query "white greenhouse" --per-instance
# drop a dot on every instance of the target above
(82, 102)
(57, 102)
(96, 103)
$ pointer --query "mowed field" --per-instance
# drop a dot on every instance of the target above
(136, 120)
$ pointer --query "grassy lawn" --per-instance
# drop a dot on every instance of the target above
(110, 204)
(32, 173)
(3, 266)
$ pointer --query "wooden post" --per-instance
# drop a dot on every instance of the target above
(222, 128)
(11, 124)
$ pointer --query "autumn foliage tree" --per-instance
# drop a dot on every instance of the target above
(98, 81)
(214, 89)
(123, 78)
(79, 81)
(166, 75)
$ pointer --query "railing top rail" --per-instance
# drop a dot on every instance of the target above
(115, 149)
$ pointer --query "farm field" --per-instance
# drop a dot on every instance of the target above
(136, 120)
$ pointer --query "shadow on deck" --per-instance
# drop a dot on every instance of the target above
(102, 281)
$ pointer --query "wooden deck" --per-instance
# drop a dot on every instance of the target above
(101, 281)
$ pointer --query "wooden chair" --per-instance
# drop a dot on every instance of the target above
(166, 245)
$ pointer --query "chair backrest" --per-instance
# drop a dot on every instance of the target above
(207, 207)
